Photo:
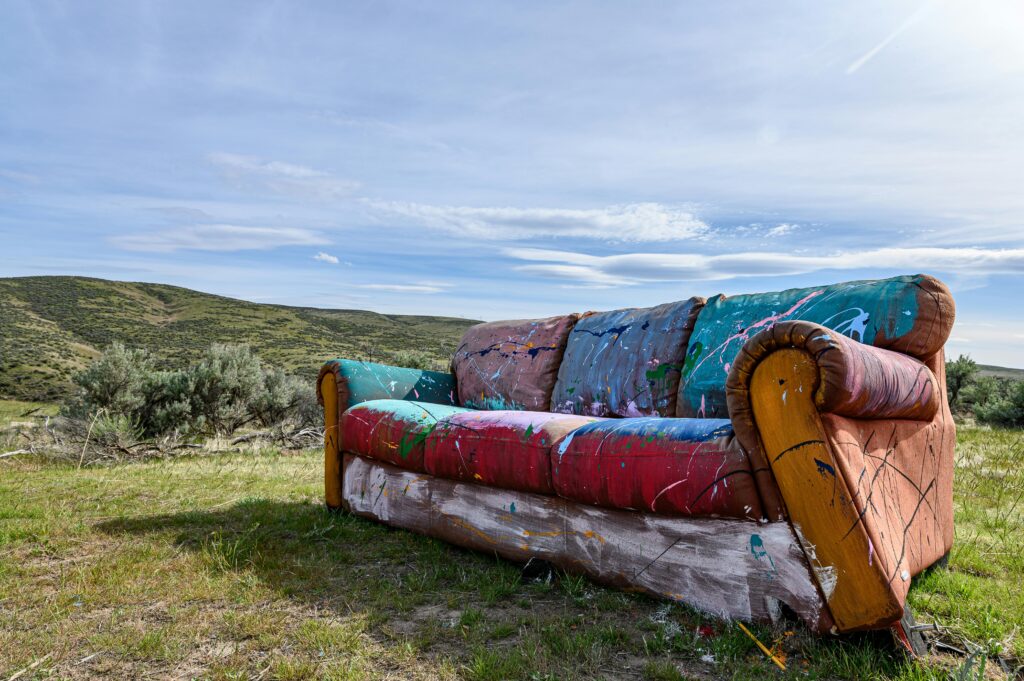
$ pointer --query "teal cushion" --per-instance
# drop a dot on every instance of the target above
(911, 314)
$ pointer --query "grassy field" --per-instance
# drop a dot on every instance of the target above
(229, 567)
(53, 326)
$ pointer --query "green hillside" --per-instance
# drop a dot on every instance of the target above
(1001, 372)
(52, 326)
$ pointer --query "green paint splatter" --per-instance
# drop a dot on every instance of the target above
(661, 372)
(691, 358)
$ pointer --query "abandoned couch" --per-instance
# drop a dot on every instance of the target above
(747, 454)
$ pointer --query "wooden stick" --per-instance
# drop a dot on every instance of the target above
(18, 675)
(778, 663)
(87, 436)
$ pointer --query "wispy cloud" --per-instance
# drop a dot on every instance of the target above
(781, 230)
(218, 238)
(326, 257)
(629, 222)
(640, 267)
(420, 287)
(18, 176)
(251, 173)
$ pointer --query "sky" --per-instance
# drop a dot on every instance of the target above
(517, 160)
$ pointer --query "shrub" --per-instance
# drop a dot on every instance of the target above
(412, 359)
(225, 385)
(286, 399)
(113, 382)
(168, 403)
(960, 374)
(1006, 409)
(229, 388)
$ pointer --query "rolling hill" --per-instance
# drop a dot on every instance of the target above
(51, 327)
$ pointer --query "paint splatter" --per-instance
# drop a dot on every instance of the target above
(824, 468)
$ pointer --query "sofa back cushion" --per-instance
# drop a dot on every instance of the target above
(910, 314)
(625, 362)
(511, 364)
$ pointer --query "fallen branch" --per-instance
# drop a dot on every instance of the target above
(251, 436)
(15, 453)
(18, 675)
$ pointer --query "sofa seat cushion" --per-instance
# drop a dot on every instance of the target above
(625, 362)
(668, 466)
(511, 364)
(391, 430)
(508, 449)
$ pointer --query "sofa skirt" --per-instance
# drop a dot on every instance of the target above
(733, 569)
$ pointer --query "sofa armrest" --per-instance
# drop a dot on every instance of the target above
(854, 379)
(785, 384)
(357, 382)
(345, 382)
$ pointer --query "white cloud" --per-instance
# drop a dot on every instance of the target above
(17, 176)
(326, 257)
(420, 287)
(781, 230)
(251, 173)
(637, 267)
(218, 238)
(628, 222)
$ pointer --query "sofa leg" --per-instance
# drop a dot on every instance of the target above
(908, 636)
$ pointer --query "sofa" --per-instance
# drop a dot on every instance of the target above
(754, 456)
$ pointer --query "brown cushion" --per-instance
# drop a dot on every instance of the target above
(511, 364)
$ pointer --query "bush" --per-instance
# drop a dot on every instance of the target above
(114, 382)
(286, 399)
(960, 373)
(226, 384)
(411, 359)
(228, 389)
(1005, 409)
(168, 403)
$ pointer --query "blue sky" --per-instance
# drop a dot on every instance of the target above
(519, 159)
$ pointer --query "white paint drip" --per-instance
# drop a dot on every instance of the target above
(825, 574)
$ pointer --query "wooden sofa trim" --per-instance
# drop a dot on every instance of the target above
(817, 497)
(737, 569)
(328, 390)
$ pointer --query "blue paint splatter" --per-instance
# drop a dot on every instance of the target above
(824, 468)
(759, 551)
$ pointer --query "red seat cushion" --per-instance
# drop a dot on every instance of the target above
(391, 430)
(508, 449)
(689, 467)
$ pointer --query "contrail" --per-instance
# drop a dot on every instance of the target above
(870, 54)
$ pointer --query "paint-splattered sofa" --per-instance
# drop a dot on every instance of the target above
(746, 454)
